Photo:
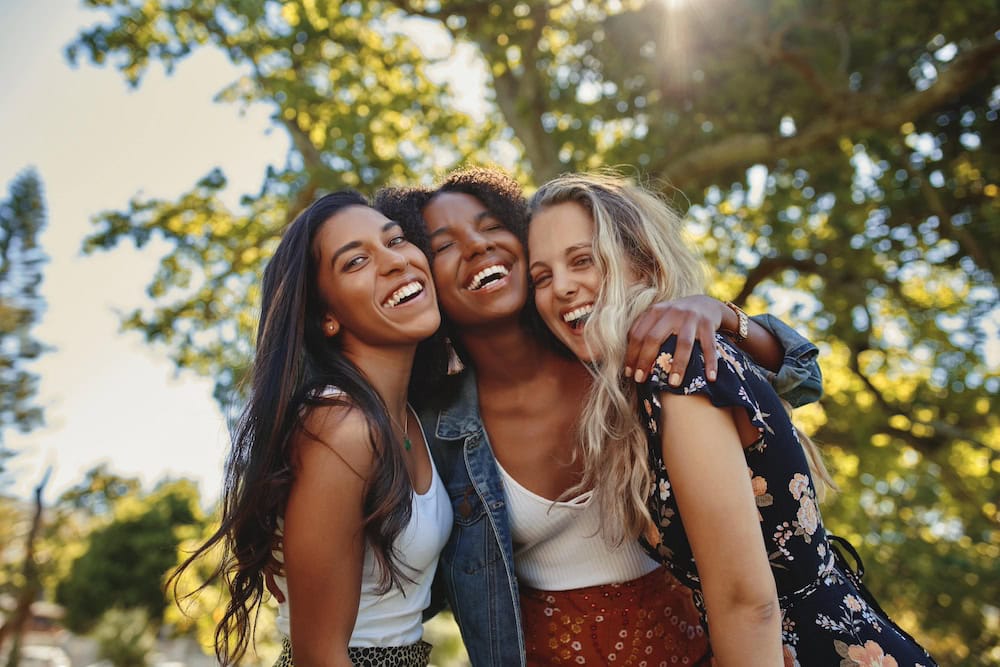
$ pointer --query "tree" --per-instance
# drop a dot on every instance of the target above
(839, 167)
(126, 560)
(22, 217)
(124, 638)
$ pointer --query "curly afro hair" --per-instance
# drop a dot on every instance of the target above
(500, 194)
(404, 205)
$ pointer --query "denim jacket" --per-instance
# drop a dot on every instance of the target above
(476, 569)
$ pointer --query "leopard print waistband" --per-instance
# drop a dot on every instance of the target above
(414, 655)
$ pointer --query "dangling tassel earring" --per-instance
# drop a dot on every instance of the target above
(455, 365)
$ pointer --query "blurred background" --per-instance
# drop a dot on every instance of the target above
(839, 163)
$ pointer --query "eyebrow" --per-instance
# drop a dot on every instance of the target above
(569, 251)
(357, 244)
(476, 218)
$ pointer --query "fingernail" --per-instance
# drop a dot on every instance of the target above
(675, 379)
(639, 376)
(711, 376)
(628, 371)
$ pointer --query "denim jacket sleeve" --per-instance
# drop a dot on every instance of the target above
(799, 380)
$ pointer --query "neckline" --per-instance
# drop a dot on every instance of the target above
(579, 502)
(427, 448)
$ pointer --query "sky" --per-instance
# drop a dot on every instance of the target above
(109, 397)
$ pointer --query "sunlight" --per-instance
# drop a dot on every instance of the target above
(675, 37)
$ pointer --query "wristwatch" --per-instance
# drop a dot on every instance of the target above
(743, 329)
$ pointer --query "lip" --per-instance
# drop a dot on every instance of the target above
(399, 285)
(493, 286)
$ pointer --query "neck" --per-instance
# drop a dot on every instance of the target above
(505, 353)
(388, 371)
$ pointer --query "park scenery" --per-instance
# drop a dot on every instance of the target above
(837, 162)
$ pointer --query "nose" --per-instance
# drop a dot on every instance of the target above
(563, 285)
(394, 261)
(476, 244)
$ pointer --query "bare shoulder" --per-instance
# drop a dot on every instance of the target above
(334, 435)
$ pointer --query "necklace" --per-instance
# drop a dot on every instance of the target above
(407, 445)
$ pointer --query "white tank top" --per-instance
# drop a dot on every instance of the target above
(395, 617)
(558, 546)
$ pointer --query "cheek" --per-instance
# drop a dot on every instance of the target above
(544, 306)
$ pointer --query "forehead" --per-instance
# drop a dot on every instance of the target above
(557, 227)
(354, 223)
(452, 208)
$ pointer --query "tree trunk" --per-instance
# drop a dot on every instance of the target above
(32, 586)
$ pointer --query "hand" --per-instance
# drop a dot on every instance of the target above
(690, 318)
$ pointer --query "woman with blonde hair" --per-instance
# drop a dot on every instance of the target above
(714, 473)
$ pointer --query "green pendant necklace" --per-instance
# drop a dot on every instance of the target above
(407, 445)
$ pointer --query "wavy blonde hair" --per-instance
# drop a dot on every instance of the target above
(642, 253)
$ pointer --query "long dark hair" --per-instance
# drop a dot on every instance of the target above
(294, 361)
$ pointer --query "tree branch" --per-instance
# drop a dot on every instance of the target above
(521, 101)
(768, 267)
(865, 113)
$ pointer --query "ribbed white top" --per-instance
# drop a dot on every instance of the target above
(558, 546)
(395, 617)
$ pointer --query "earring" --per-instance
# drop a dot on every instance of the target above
(455, 365)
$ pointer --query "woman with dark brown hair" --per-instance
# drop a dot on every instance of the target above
(329, 472)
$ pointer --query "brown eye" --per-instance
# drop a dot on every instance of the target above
(354, 262)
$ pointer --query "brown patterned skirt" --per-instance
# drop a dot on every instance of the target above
(414, 655)
(647, 622)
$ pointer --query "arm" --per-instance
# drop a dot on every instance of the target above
(799, 379)
(788, 359)
(694, 318)
(323, 539)
(708, 472)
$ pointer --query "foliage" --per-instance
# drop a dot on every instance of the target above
(22, 218)
(126, 559)
(124, 638)
(841, 167)
(201, 602)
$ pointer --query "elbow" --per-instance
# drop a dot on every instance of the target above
(755, 605)
(764, 612)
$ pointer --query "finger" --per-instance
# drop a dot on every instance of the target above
(706, 336)
(682, 355)
(650, 348)
(637, 335)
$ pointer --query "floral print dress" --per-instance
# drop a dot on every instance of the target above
(828, 616)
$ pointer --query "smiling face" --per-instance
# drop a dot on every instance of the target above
(563, 272)
(478, 263)
(375, 285)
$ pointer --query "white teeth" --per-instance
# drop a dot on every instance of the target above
(406, 290)
(477, 280)
(577, 313)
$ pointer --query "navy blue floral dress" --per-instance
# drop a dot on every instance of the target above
(828, 616)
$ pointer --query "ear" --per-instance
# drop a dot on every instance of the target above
(331, 326)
